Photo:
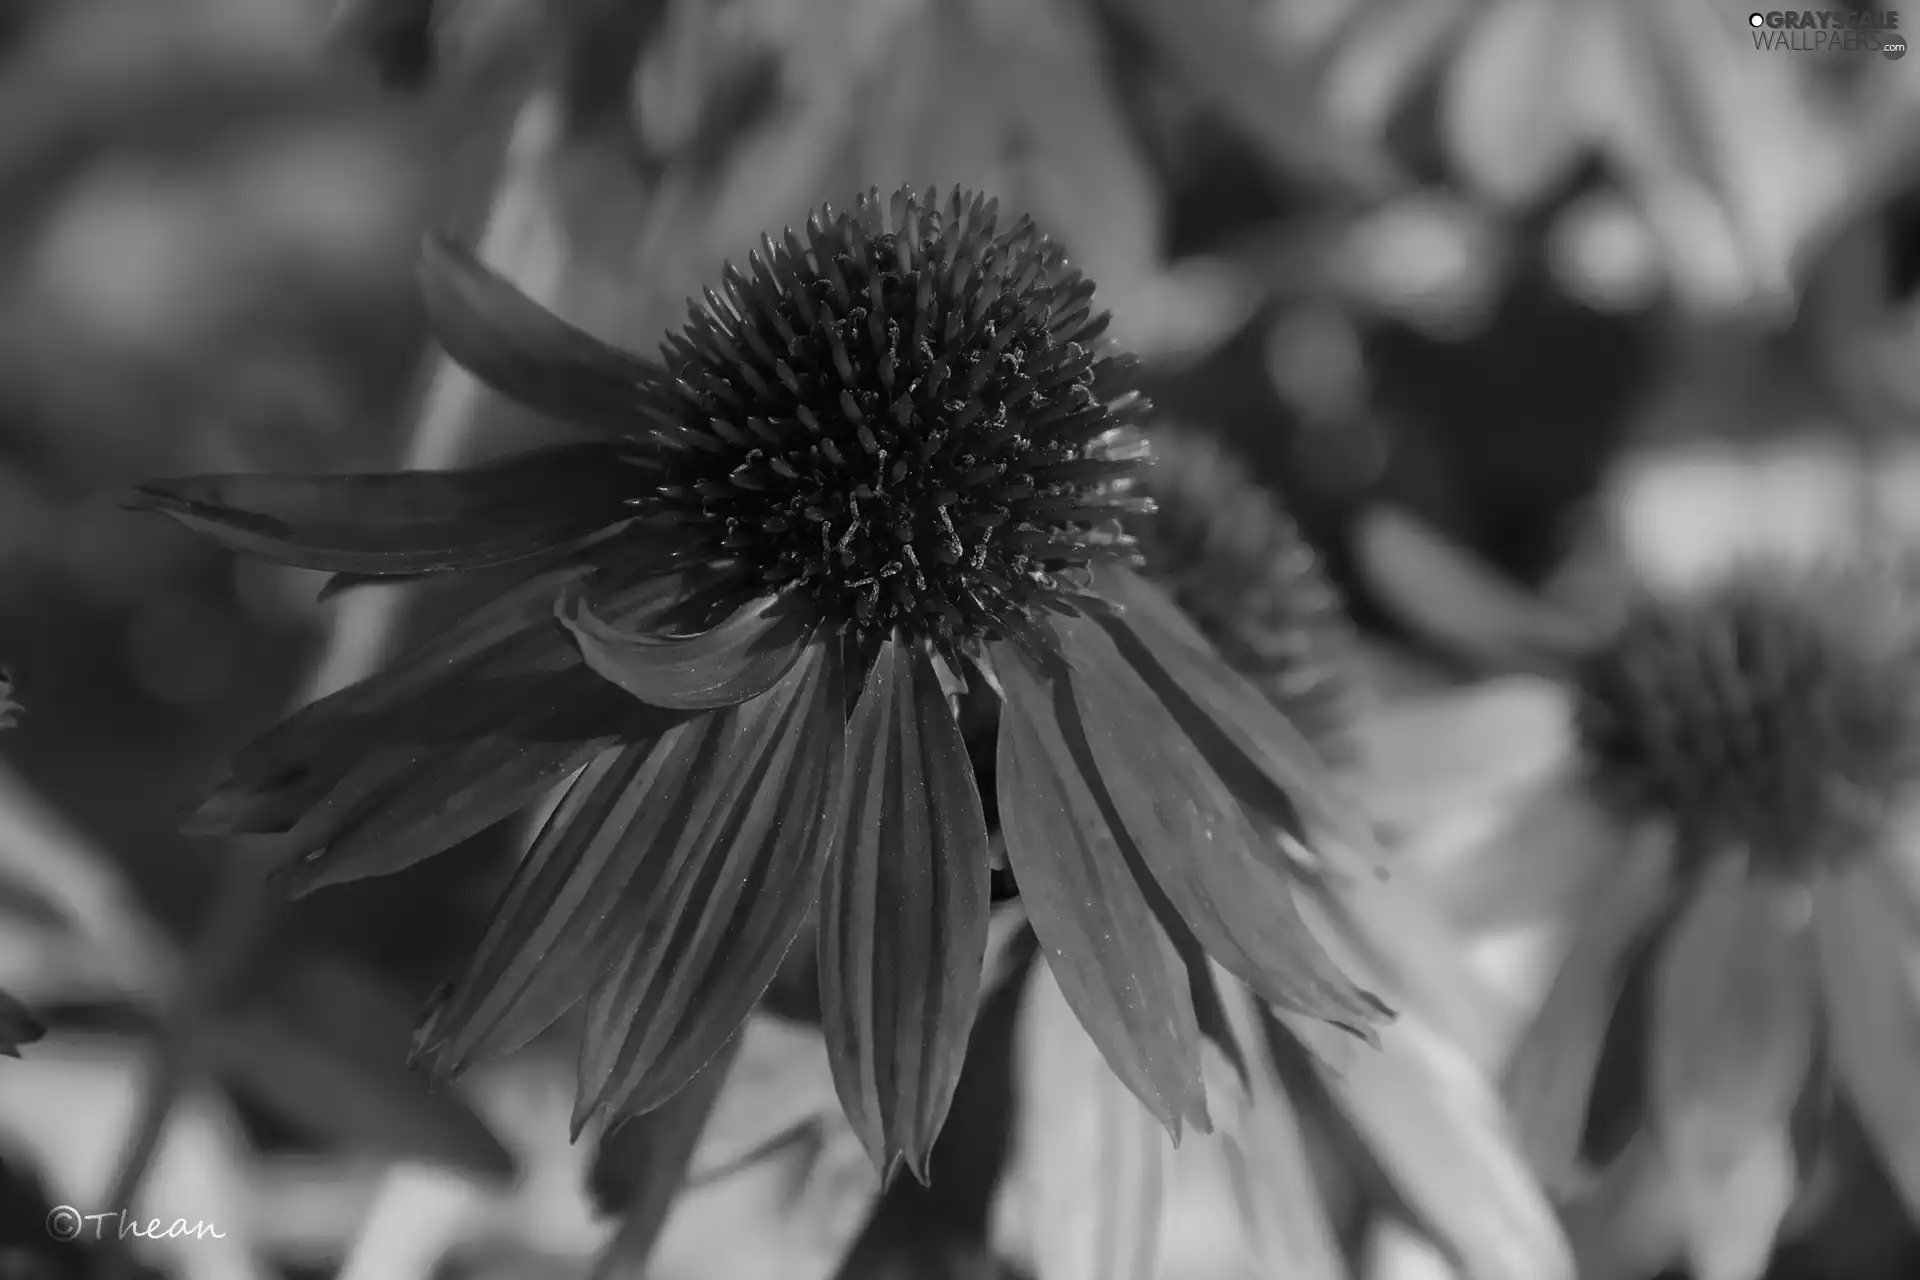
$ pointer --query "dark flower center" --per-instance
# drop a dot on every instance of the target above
(1778, 718)
(901, 415)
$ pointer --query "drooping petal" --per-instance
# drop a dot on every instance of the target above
(562, 919)
(408, 801)
(405, 522)
(642, 1164)
(1096, 1163)
(741, 658)
(903, 912)
(525, 352)
(725, 886)
(1732, 1042)
(1112, 957)
(1550, 1076)
(1268, 1166)
(1443, 1140)
(1868, 962)
(1192, 836)
(1265, 762)
(422, 698)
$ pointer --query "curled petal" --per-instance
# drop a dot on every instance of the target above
(722, 889)
(1192, 835)
(903, 912)
(740, 659)
(1113, 957)
(525, 352)
(1869, 964)
(405, 522)
(1732, 1044)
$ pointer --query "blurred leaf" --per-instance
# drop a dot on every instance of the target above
(326, 1053)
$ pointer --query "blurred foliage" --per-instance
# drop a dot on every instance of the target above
(1488, 262)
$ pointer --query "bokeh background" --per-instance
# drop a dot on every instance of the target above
(1580, 286)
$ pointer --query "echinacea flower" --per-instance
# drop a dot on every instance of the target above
(876, 470)
(1317, 1141)
(1732, 847)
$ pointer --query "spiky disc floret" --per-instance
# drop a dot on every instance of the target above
(1236, 564)
(902, 414)
(1778, 715)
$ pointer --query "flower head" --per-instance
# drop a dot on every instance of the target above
(1733, 852)
(880, 468)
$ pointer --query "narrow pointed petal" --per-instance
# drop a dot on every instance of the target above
(424, 697)
(18, 1026)
(405, 522)
(1265, 762)
(642, 1165)
(519, 737)
(741, 658)
(1868, 962)
(1550, 1076)
(1732, 1042)
(1193, 836)
(1269, 1169)
(1443, 1140)
(903, 912)
(525, 352)
(723, 888)
(559, 924)
(1096, 1163)
(1114, 961)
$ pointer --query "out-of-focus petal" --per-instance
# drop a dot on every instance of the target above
(642, 1162)
(18, 1026)
(723, 888)
(1192, 836)
(1266, 1154)
(1443, 592)
(1732, 1042)
(515, 738)
(1443, 1140)
(1550, 1076)
(559, 923)
(1096, 1163)
(1870, 974)
(1114, 961)
(742, 658)
(903, 912)
(1265, 762)
(525, 352)
(1900, 856)
(1422, 756)
(1535, 867)
(405, 522)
